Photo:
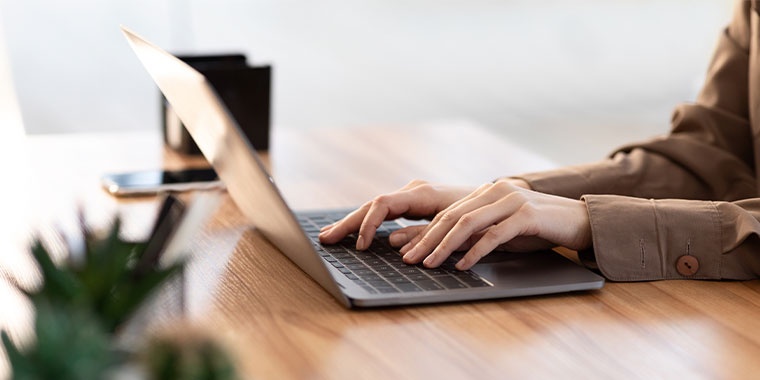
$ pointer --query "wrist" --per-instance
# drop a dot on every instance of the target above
(514, 182)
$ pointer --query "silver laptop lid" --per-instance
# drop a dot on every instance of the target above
(232, 156)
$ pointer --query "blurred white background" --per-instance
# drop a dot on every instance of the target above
(569, 79)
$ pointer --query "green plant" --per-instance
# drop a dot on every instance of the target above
(107, 281)
(71, 344)
(82, 302)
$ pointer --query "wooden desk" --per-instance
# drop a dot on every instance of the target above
(280, 324)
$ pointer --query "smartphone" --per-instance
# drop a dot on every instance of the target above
(155, 181)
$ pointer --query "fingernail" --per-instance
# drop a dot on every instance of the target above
(405, 248)
(428, 261)
(360, 243)
(461, 265)
(409, 255)
(327, 227)
(397, 239)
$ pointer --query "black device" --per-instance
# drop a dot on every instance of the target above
(169, 216)
(154, 181)
(244, 89)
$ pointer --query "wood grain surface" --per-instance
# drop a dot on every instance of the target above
(279, 324)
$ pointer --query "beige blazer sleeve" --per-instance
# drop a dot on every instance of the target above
(684, 205)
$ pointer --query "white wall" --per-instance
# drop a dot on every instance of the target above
(570, 79)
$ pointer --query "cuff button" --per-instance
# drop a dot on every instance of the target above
(687, 265)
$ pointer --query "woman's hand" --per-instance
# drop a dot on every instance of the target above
(498, 214)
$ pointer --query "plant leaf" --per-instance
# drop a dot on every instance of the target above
(58, 284)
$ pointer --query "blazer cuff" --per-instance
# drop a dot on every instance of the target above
(637, 239)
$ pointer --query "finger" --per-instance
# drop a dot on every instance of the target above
(468, 225)
(441, 225)
(371, 215)
(382, 208)
(327, 227)
(495, 236)
(377, 213)
(412, 243)
(402, 236)
(340, 229)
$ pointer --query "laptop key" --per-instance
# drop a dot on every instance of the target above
(369, 289)
(378, 283)
(389, 274)
(343, 255)
(429, 285)
(448, 268)
(398, 264)
(363, 272)
(450, 282)
(387, 254)
(436, 272)
(409, 287)
(372, 261)
(410, 270)
(372, 277)
(399, 280)
(418, 277)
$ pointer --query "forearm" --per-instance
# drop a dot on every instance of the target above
(637, 173)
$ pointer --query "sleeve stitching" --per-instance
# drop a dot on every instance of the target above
(716, 217)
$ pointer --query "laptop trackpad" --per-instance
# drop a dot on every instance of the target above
(530, 268)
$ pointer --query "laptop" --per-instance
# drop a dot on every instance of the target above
(372, 278)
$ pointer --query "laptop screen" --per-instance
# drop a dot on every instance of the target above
(230, 153)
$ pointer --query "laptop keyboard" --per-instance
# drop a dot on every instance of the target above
(380, 268)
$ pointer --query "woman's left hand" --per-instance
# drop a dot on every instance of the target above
(496, 214)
